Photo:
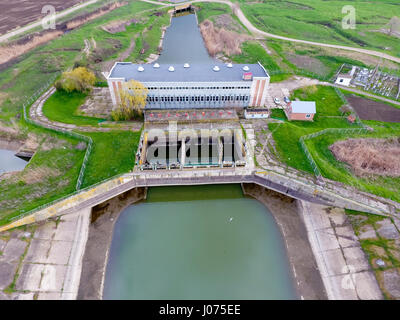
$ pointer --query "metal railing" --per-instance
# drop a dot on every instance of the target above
(319, 133)
(347, 103)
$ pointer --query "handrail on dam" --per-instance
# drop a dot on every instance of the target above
(297, 189)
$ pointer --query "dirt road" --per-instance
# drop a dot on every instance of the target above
(239, 13)
(39, 23)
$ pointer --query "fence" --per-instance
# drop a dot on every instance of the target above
(319, 133)
(346, 102)
(88, 140)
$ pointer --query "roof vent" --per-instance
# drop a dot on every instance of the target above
(140, 69)
(186, 65)
(229, 65)
(171, 69)
(156, 65)
(246, 68)
(216, 68)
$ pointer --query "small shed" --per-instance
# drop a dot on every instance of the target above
(252, 113)
(301, 110)
(344, 79)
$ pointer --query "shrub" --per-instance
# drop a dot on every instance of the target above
(79, 79)
(132, 101)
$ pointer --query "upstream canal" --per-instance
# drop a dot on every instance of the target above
(183, 43)
(198, 242)
(9, 162)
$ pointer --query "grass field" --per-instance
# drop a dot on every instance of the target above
(63, 106)
(34, 68)
(149, 38)
(113, 153)
(210, 10)
(51, 174)
(53, 171)
(321, 21)
(330, 168)
(287, 135)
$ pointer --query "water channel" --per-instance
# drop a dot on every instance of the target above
(9, 162)
(198, 242)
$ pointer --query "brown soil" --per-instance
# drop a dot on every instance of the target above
(15, 49)
(77, 22)
(10, 52)
(372, 110)
(17, 13)
(308, 63)
(220, 40)
(39, 174)
(226, 21)
(370, 156)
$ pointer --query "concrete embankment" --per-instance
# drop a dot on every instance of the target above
(307, 279)
(343, 265)
(101, 229)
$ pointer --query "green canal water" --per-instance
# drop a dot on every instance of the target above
(198, 242)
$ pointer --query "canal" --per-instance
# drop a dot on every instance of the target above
(198, 242)
(183, 43)
(9, 162)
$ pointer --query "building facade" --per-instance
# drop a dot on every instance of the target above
(301, 110)
(193, 86)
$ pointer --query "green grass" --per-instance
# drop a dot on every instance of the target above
(387, 187)
(209, 10)
(287, 135)
(326, 98)
(278, 114)
(320, 21)
(253, 52)
(149, 39)
(113, 153)
(321, 65)
(58, 171)
(38, 65)
(63, 107)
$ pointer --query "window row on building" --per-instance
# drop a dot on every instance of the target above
(200, 88)
(196, 98)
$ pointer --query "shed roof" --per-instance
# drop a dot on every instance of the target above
(198, 72)
(303, 107)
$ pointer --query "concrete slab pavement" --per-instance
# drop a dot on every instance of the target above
(344, 267)
(52, 265)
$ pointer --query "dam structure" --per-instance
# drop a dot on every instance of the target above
(297, 189)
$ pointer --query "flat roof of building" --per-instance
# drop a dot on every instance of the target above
(303, 107)
(198, 72)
